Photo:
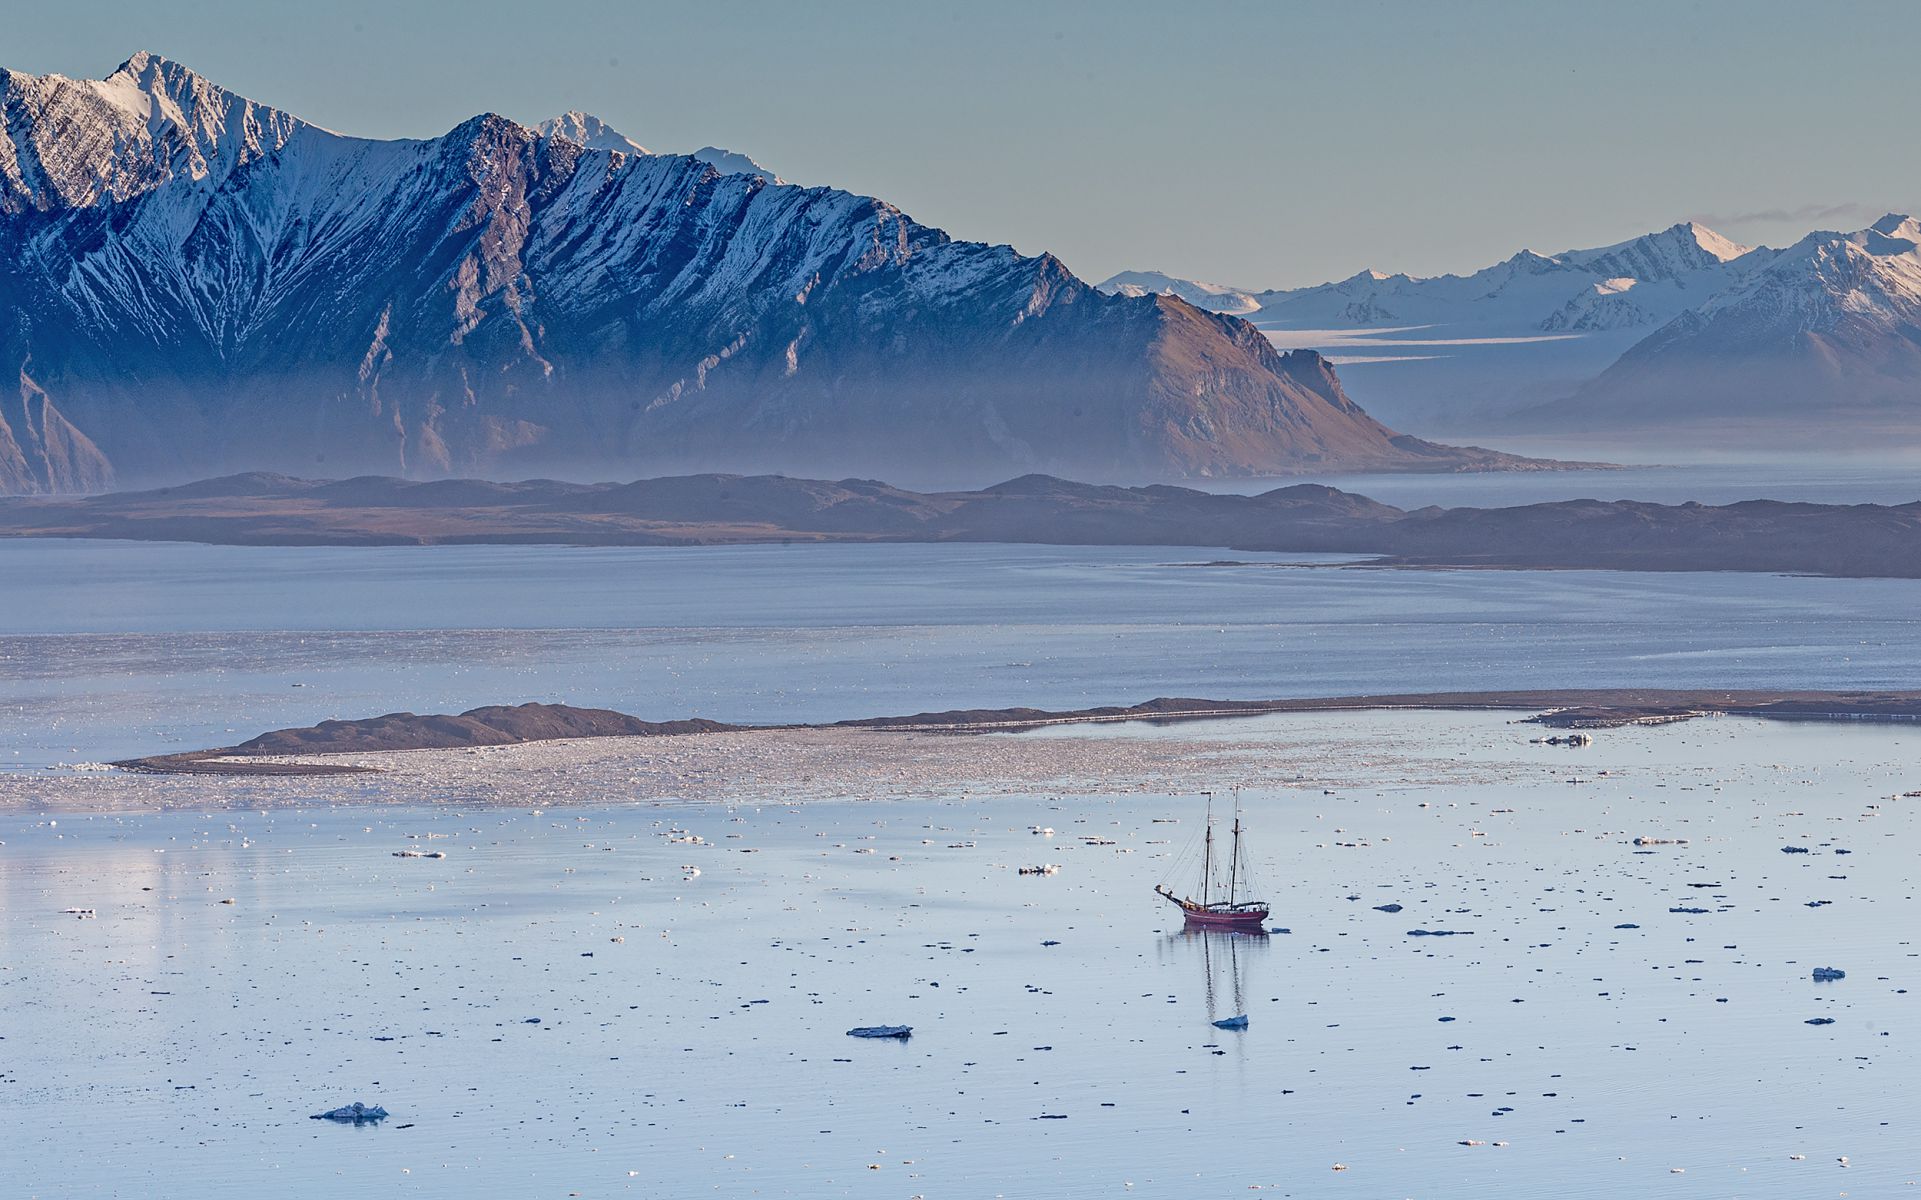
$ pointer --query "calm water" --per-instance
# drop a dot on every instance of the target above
(114, 649)
(690, 1030)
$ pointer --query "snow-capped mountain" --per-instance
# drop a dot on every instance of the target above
(587, 130)
(191, 282)
(1456, 350)
(1827, 330)
(730, 162)
(590, 131)
(1211, 296)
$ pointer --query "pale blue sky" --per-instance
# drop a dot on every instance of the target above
(1258, 144)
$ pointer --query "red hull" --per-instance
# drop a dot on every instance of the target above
(1251, 920)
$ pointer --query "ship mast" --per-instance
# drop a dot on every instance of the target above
(1234, 859)
(1207, 851)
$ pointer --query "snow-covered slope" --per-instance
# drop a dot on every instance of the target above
(192, 283)
(1466, 351)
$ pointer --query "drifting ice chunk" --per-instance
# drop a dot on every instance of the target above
(354, 1114)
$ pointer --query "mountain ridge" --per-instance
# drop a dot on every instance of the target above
(196, 282)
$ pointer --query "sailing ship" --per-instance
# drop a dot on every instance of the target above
(1221, 903)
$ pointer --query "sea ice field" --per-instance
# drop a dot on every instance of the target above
(652, 998)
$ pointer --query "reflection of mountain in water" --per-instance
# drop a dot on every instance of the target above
(1226, 958)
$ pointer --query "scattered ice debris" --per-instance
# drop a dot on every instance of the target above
(1042, 869)
(1239, 1022)
(79, 913)
(903, 1032)
(1828, 974)
(354, 1114)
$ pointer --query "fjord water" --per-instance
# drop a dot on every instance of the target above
(561, 1007)
(117, 649)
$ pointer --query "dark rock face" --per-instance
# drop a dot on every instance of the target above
(211, 285)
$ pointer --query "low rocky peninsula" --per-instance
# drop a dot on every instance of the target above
(305, 751)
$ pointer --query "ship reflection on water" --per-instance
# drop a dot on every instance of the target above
(1226, 958)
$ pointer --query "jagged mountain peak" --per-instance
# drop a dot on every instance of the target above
(1724, 248)
(1679, 250)
(78, 143)
(732, 162)
(1896, 233)
(152, 70)
(1528, 262)
(590, 131)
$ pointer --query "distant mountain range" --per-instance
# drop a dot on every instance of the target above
(193, 282)
(1680, 327)
(267, 509)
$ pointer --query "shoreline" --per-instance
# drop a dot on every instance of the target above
(1307, 755)
(290, 752)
